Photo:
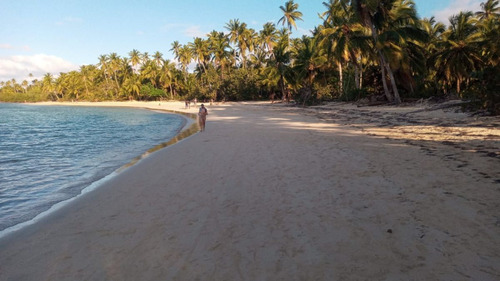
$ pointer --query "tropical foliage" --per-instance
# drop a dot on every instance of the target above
(379, 49)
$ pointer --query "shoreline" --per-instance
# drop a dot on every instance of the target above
(275, 192)
(188, 128)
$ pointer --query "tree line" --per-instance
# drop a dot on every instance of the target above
(379, 50)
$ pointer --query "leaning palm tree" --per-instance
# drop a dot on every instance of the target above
(388, 21)
(402, 41)
(176, 46)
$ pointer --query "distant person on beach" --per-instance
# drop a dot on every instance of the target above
(202, 117)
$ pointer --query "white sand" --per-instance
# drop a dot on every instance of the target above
(274, 193)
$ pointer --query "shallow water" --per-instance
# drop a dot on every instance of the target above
(49, 154)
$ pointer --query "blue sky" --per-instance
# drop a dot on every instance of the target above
(40, 36)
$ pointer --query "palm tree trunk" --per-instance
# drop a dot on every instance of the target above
(384, 65)
(117, 85)
(341, 79)
(361, 77)
(384, 80)
(282, 86)
(397, 98)
(357, 77)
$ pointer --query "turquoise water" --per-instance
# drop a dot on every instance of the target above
(49, 154)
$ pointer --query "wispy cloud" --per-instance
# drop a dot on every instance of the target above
(455, 7)
(6, 46)
(303, 31)
(69, 19)
(187, 30)
(19, 67)
(194, 31)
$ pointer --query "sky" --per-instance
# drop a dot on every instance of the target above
(53, 36)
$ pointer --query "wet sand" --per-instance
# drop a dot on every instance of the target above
(271, 192)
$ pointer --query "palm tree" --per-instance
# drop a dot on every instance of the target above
(24, 85)
(309, 59)
(48, 84)
(459, 54)
(87, 72)
(103, 64)
(290, 15)
(158, 58)
(401, 41)
(185, 57)
(344, 38)
(145, 57)
(176, 46)
(268, 37)
(167, 76)
(150, 71)
(248, 41)
(434, 32)
(220, 49)
(114, 65)
(390, 22)
(235, 29)
(199, 49)
(280, 61)
(490, 10)
(135, 59)
(132, 86)
(241, 37)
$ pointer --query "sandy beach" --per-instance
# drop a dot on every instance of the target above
(273, 192)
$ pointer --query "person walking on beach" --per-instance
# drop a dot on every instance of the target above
(202, 117)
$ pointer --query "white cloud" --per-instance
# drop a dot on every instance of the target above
(19, 67)
(188, 30)
(194, 31)
(301, 31)
(67, 20)
(6, 46)
(455, 7)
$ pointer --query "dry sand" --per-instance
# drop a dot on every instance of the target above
(271, 192)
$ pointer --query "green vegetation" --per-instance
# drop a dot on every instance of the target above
(379, 49)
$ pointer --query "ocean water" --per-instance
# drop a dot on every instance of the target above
(49, 154)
